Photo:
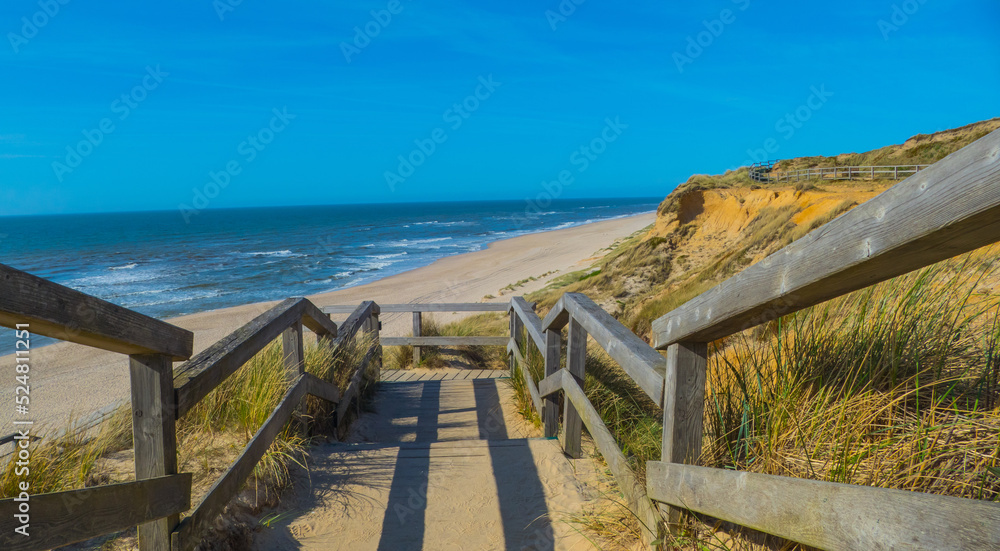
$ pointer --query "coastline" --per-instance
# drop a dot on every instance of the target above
(74, 381)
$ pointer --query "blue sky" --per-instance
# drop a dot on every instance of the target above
(204, 84)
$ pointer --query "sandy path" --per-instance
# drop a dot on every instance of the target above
(438, 465)
(71, 381)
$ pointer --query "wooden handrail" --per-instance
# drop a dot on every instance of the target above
(430, 307)
(635, 494)
(644, 364)
(360, 315)
(828, 515)
(69, 315)
(948, 209)
(185, 535)
(63, 518)
(532, 324)
(522, 364)
(197, 378)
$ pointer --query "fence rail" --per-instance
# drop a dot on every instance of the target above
(159, 396)
(765, 173)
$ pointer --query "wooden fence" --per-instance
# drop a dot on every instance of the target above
(418, 340)
(161, 394)
(948, 209)
(765, 173)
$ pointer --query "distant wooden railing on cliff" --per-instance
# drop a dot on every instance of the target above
(764, 172)
(161, 394)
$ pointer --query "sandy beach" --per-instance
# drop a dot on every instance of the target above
(71, 381)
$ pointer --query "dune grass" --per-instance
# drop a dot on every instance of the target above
(433, 357)
(209, 437)
(894, 386)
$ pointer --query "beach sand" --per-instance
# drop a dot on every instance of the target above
(70, 382)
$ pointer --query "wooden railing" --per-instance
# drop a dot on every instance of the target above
(160, 395)
(950, 208)
(418, 340)
(644, 364)
(765, 173)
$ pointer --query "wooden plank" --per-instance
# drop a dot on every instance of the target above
(321, 389)
(390, 376)
(628, 483)
(431, 307)
(63, 518)
(69, 315)
(553, 355)
(642, 363)
(353, 389)
(531, 322)
(551, 384)
(684, 402)
(558, 317)
(828, 515)
(536, 398)
(444, 341)
(945, 210)
(683, 408)
(576, 361)
(154, 435)
(189, 532)
(417, 332)
(293, 351)
(355, 322)
(317, 321)
(195, 379)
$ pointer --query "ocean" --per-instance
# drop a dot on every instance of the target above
(157, 264)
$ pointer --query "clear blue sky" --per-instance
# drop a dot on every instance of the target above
(207, 82)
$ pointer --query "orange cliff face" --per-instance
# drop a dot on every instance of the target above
(726, 213)
(710, 234)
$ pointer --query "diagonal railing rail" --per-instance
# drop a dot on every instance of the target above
(160, 395)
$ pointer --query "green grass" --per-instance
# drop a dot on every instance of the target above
(894, 386)
(432, 357)
(213, 431)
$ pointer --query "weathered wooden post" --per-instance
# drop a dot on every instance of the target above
(576, 359)
(416, 333)
(372, 330)
(683, 407)
(553, 353)
(516, 330)
(154, 432)
(295, 364)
